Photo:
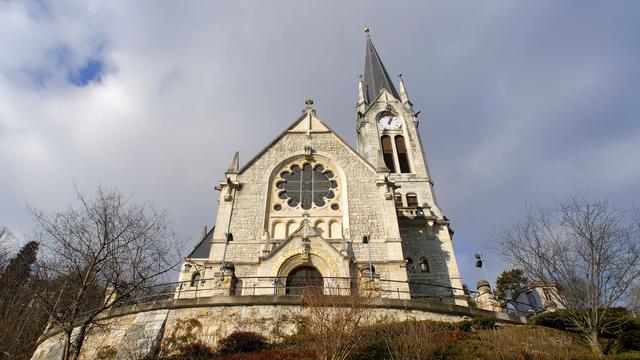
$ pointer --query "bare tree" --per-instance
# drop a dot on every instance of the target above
(98, 255)
(333, 326)
(5, 235)
(589, 250)
(418, 339)
(633, 300)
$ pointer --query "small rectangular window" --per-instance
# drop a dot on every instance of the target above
(424, 265)
(412, 200)
(398, 200)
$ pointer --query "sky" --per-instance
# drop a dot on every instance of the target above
(522, 102)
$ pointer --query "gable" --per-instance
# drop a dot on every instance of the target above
(308, 122)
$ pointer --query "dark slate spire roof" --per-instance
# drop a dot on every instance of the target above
(375, 75)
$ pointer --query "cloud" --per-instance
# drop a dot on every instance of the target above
(520, 102)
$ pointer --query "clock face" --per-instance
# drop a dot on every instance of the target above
(390, 122)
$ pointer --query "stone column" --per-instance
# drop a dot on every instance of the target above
(225, 282)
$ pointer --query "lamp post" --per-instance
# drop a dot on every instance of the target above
(480, 264)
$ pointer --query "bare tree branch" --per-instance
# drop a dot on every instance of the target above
(100, 254)
(588, 249)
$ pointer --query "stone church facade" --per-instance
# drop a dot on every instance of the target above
(311, 212)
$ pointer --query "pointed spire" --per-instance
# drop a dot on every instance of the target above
(233, 169)
(404, 96)
(375, 75)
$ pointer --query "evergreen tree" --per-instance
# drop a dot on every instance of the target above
(19, 269)
(512, 280)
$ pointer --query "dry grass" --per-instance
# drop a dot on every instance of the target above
(523, 342)
(418, 340)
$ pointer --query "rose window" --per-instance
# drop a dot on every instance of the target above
(306, 186)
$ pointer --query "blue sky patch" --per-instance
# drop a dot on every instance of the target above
(90, 72)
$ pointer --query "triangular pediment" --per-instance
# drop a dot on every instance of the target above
(385, 97)
(308, 122)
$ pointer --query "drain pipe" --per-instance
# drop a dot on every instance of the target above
(228, 236)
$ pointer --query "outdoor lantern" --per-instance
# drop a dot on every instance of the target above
(478, 260)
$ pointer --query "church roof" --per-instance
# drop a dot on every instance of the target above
(202, 250)
(375, 75)
(308, 120)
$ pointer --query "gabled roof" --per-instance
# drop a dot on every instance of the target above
(307, 121)
(203, 248)
(375, 75)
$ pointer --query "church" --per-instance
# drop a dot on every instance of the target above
(311, 213)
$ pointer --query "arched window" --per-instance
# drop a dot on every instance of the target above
(335, 230)
(424, 265)
(322, 228)
(279, 231)
(387, 153)
(403, 158)
(412, 200)
(291, 228)
(195, 279)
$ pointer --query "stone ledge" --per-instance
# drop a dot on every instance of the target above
(256, 300)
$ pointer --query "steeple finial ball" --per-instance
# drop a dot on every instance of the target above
(366, 30)
(308, 104)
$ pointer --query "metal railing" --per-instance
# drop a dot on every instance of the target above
(338, 286)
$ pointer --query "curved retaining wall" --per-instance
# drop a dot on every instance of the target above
(130, 331)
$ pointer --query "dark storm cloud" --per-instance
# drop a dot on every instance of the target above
(521, 102)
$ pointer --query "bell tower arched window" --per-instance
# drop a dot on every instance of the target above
(387, 153)
(403, 158)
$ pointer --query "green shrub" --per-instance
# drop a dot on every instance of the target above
(632, 355)
(480, 323)
(242, 342)
(273, 354)
(628, 338)
(194, 350)
(555, 320)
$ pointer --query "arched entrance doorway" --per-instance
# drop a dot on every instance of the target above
(303, 280)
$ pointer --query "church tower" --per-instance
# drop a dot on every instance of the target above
(387, 135)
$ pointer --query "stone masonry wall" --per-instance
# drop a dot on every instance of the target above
(132, 335)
